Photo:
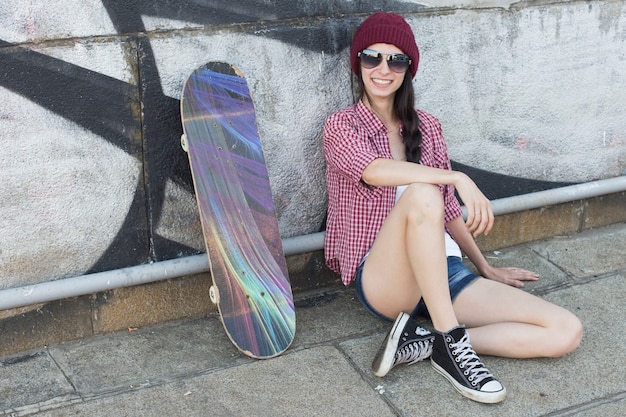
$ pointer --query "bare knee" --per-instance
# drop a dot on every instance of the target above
(567, 333)
(423, 201)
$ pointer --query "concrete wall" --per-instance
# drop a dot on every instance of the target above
(531, 95)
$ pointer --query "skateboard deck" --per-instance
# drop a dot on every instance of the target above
(250, 282)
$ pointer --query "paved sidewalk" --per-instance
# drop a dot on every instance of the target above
(189, 368)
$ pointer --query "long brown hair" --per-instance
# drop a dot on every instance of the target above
(403, 105)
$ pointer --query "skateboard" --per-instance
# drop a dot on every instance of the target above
(251, 286)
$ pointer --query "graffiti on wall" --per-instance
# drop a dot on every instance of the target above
(139, 119)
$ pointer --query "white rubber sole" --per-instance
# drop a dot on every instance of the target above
(478, 396)
(383, 362)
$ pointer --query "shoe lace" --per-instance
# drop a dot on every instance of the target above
(413, 352)
(469, 362)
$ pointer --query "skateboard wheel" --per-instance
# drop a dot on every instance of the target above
(213, 294)
(183, 142)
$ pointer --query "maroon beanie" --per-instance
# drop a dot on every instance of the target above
(388, 28)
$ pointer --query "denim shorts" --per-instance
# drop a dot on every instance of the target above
(459, 277)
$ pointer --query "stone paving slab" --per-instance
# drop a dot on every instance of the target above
(114, 363)
(550, 276)
(336, 315)
(313, 382)
(587, 254)
(613, 406)
(143, 357)
(32, 378)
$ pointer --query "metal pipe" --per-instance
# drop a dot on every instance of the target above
(303, 244)
(141, 274)
(101, 281)
(557, 196)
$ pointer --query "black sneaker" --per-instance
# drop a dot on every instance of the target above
(406, 342)
(454, 358)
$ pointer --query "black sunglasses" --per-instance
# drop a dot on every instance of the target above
(397, 62)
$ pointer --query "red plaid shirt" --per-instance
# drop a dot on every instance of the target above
(353, 138)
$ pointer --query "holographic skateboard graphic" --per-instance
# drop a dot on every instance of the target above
(250, 283)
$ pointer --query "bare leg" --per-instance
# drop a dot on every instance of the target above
(408, 260)
(506, 321)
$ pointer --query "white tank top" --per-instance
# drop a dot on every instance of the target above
(452, 249)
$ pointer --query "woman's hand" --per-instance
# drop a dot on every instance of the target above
(479, 214)
(514, 277)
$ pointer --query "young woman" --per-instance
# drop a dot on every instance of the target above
(395, 227)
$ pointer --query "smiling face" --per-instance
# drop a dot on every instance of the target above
(381, 82)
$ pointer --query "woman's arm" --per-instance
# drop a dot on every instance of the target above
(510, 276)
(388, 172)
